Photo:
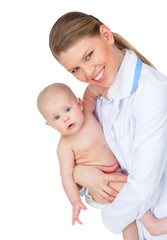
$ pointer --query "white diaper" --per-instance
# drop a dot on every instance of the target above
(93, 203)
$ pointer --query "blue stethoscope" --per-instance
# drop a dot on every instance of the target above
(136, 75)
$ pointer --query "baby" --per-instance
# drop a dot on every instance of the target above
(82, 142)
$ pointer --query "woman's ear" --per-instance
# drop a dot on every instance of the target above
(80, 104)
(106, 34)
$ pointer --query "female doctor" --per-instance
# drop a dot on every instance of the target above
(134, 120)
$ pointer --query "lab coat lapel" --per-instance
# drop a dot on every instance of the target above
(112, 110)
(121, 88)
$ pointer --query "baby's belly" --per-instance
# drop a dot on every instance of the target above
(96, 161)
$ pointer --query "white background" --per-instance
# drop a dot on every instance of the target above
(32, 202)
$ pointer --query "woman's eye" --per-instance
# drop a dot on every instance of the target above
(89, 55)
(68, 109)
(75, 70)
(57, 117)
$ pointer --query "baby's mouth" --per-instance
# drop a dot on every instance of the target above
(72, 125)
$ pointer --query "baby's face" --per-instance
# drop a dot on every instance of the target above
(64, 114)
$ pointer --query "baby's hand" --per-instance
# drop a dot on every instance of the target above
(77, 206)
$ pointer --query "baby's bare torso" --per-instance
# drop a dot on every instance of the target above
(89, 145)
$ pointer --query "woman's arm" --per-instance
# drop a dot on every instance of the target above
(149, 154)
(90, 96)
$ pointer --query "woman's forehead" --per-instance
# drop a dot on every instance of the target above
(77, 52)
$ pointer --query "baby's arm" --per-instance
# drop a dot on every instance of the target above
(66, 161)
(155, 226)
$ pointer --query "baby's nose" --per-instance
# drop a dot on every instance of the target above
(66, 118)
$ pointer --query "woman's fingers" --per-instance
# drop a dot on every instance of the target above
(117, 186)
(102, 197)
(110, 174)
(116, 177)
(111, 192)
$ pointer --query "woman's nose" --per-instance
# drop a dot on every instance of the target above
(89, 70)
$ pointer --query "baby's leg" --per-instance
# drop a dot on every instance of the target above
(155, 226)
(131, 232)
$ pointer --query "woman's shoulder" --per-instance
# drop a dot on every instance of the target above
(151, 94)
(150, 75)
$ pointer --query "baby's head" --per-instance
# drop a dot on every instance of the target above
(61, 109)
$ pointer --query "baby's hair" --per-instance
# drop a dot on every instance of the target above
(73, 26)
(53, 89)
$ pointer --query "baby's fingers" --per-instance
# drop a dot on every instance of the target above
(78, 221)
(82, 206)
(76, 218)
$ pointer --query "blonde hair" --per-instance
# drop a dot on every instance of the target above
(73, 26)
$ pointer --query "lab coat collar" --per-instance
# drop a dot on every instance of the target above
(122, 86)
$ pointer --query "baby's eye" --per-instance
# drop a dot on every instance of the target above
(68, 109)
(57, 117)
(89, 55)
(75, 70)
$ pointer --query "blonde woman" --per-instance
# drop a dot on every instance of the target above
(134, 119)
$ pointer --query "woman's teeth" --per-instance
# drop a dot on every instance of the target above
(100, 75)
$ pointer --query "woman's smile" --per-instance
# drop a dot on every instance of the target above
(100, 77)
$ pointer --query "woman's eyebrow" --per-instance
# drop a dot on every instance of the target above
(82, 58)
(85, 53)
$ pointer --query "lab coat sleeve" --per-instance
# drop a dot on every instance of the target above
(149, 157)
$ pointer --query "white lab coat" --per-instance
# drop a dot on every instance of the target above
(135, 127)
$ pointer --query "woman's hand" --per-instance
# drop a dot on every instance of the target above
(103, 182)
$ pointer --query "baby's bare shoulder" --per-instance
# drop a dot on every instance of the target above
(62, 142)
(65, 143)
(64, 149)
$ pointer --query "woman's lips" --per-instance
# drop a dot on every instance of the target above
(100, 76)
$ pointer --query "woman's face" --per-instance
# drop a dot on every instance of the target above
(94, 60)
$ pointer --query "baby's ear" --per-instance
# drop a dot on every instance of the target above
(47, 123)
(80, 104)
